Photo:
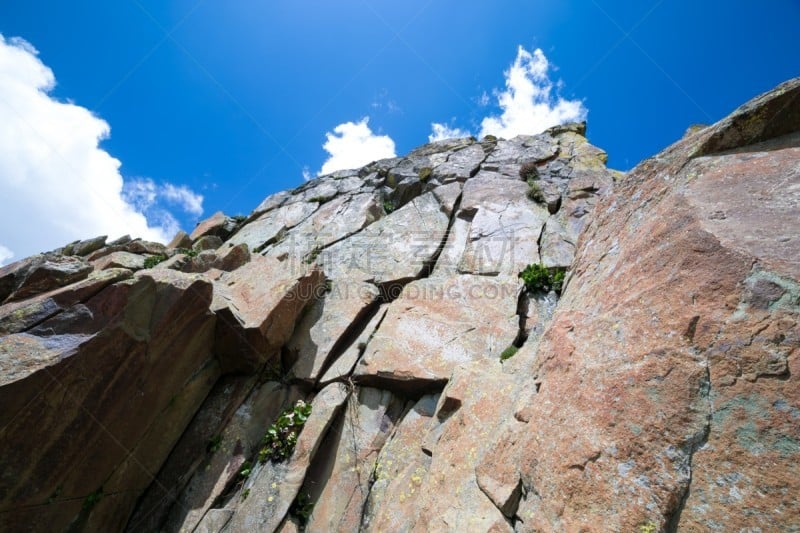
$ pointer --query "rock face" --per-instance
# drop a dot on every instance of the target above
(146, 387)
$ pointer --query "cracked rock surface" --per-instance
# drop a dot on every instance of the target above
(656, 392)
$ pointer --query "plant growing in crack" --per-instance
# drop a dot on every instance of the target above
(153, 260)
(281, 437)
(538, 277)
(508, 353)
(214, 444)
(425, 174)
(92, 499)
(301, 508)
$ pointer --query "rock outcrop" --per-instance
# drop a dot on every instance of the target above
(155, 388)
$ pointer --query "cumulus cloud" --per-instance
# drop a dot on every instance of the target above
(440, 132)
(353, 145)
(528, 104)
(56, 184)
(149, 198)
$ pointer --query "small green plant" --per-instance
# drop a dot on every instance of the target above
(508, 353)
(312, 255)
(490, 138)
(246, 470)
(388, 206)
(245, 494)
(302, 508)
(214, 444)
(529, 172)
(320, 199)
(153, 260)
(425, 174)
(535, 192)
(93, 499)
(537, 277)
(239, 218)
(188, 252)
(281, 437)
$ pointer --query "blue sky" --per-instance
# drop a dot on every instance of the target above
(214, 105)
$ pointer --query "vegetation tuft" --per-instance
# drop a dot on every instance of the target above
(425, 174)
(529, 172)
(301, 508)
(153, 260)
(281, 436)
(93, 499)
(508, 353)
(538, 278)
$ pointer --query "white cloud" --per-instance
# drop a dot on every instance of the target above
(149, 197)
(183, 196)
(5, 254)
(528, 105)
(306, 174)
(56, 184)
(440, 132)
(353, 145)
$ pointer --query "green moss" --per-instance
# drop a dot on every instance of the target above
(425, 174)
(490, 138)
(153, 260)
(388, 206)
(508, 353)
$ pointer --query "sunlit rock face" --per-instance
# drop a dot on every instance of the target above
(146, 387)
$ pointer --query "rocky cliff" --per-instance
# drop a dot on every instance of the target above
(361, 353)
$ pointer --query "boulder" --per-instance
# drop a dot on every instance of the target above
(256, 306)
(125, 385)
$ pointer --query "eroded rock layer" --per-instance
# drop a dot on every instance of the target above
(139, 382)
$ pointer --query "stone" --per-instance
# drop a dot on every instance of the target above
(436, 326)
(181, 240)
(339, 482)
(270, 226)
(274, 486)
(321, 334)
(675, 414)
(217, 225)
(127, 260)
(16, 317)
(332, 222)
(38, 274)
(88, 246)
(153, 325)
(207, 242)
(395, 249)
(256, 307)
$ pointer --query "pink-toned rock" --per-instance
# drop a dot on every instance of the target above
(94, 396)
(120, 259)
(436, 326)
(256, 307)
(274, 486)
(318, 337)
(668, 376)
(339, 480)
(217, 224)
(38, 274)
(180, 240)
